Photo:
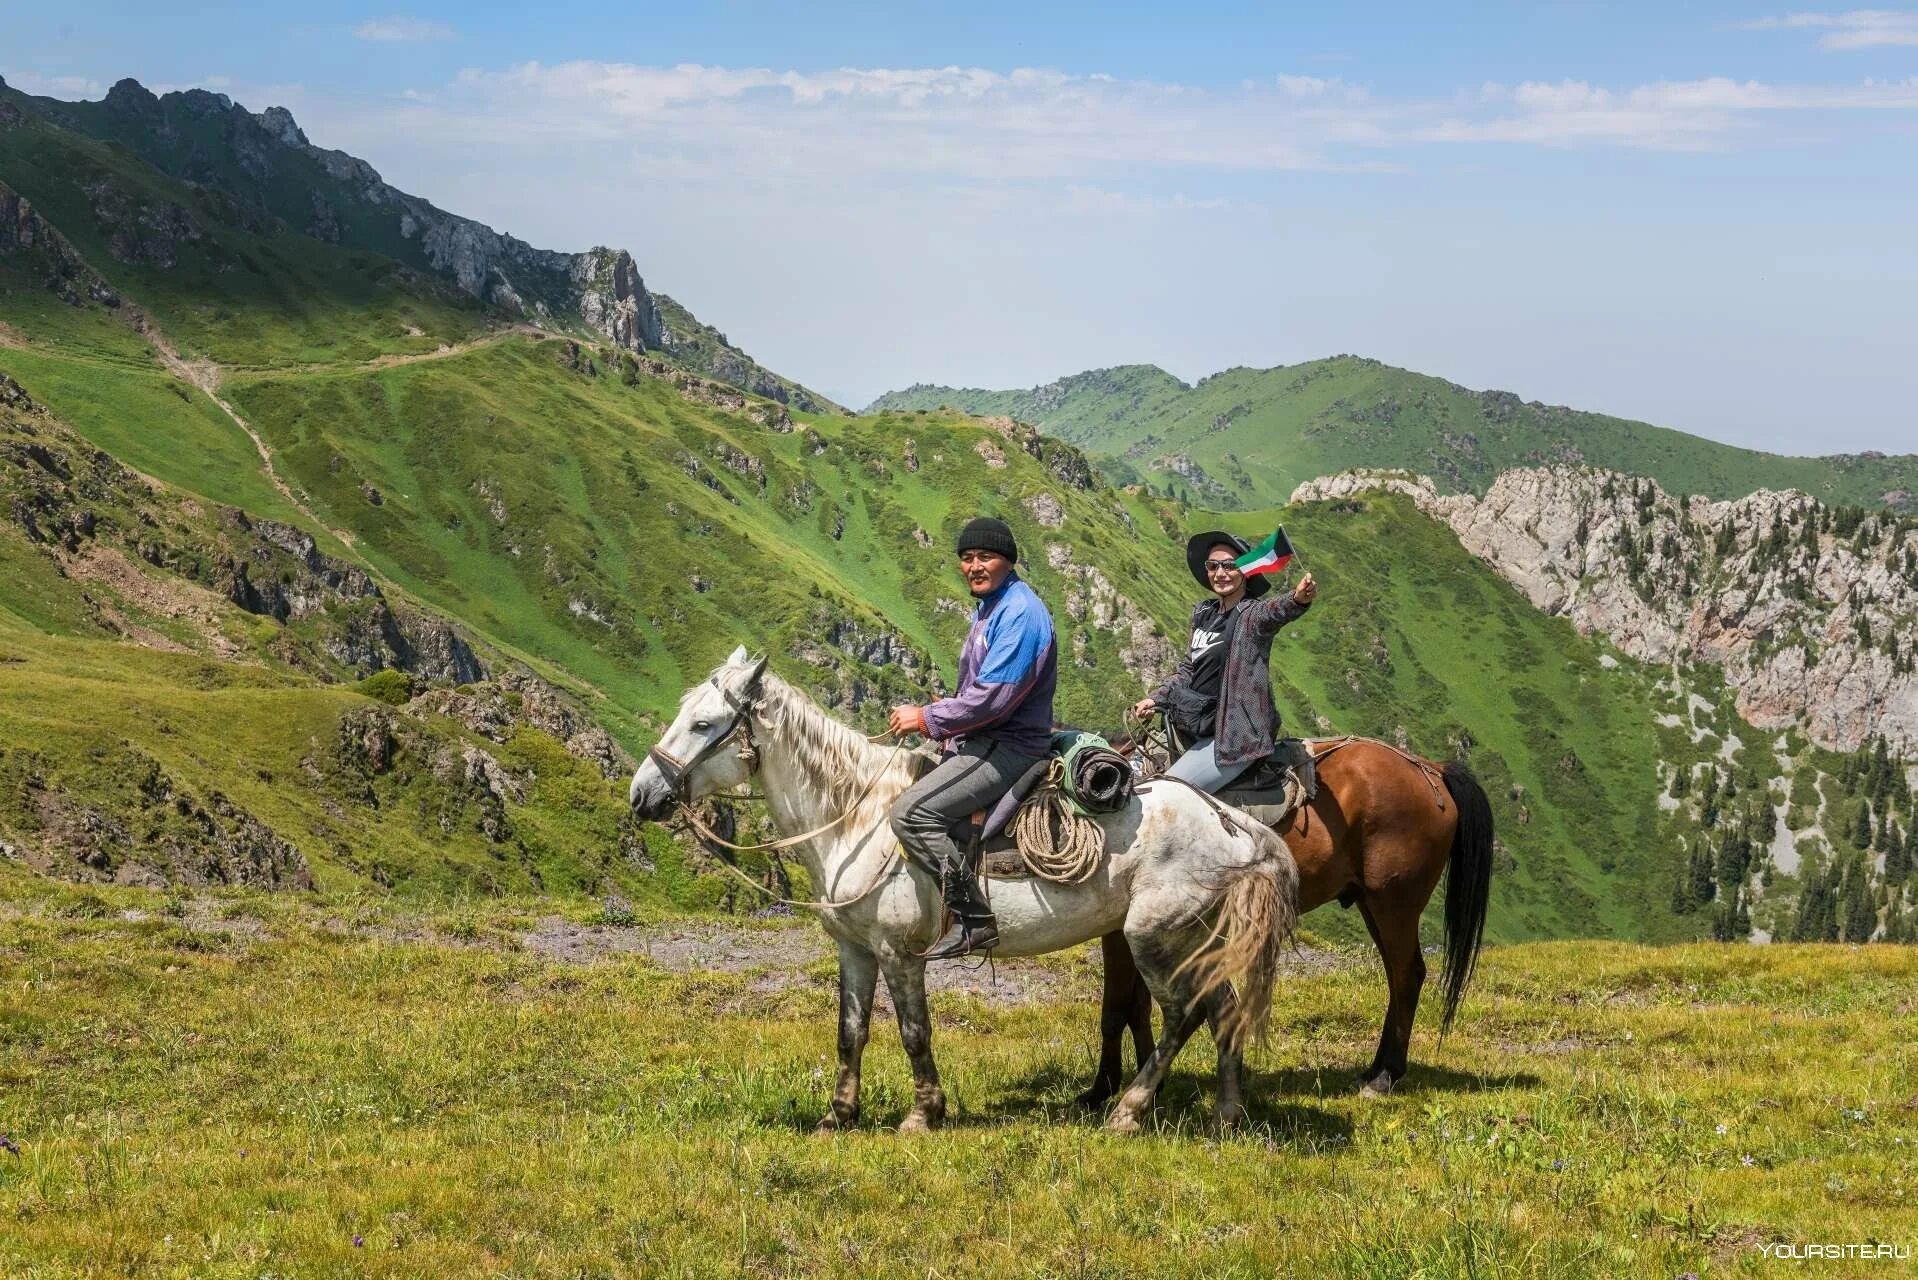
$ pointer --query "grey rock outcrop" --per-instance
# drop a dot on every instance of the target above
(1091, 599)
(1811, 612)
(496, 708)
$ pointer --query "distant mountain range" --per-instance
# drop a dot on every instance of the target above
(1247, 437)
(346, 542)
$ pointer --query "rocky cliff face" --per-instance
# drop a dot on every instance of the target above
(1811, 611)
(29, 239)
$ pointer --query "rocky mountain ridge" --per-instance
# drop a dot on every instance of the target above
(265, 162)
(1810, 611)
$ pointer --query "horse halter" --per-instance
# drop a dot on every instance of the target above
(676, 771)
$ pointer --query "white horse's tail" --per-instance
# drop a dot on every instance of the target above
(1258, 910)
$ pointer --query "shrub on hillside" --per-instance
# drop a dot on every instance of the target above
(395, 688)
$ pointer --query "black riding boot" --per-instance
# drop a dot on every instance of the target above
(973, 927)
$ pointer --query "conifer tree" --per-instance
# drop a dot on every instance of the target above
(1858, 914)
(1816, 920)
(1897, 857)
(1703, 889)
(1861, 833)
(1682, 902)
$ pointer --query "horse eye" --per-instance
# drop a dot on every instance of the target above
(702, 725)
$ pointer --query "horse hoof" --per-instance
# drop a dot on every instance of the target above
(1377, 1087)
(1093, 1099)
(1124, 1122)
(1230, 1117)
(832, 1124)
(918, 1122)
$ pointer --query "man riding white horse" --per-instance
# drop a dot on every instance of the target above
(991, 730)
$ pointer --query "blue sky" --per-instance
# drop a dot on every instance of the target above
(1701, 215)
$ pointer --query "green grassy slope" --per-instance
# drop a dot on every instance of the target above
(135, 761)
(586, 524)
(634, 536)
(105, 380)
(150, 727)
(1254, 434)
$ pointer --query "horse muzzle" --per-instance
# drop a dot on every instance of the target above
(650, 795)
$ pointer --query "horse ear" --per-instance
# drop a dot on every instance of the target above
(750, 684)
(738, 656)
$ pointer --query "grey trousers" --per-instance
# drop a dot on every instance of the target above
(970, 779)
(1200, 767)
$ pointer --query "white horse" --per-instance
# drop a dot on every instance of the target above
(1205, 895)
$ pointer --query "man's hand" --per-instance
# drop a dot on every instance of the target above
(908, 719)
(1306, 590)
(1143, 708)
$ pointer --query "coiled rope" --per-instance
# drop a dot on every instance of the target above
(1056, 841)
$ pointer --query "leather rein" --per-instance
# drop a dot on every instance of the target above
(677, 771)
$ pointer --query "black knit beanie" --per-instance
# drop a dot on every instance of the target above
(984, 533)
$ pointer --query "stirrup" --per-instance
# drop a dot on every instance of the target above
(964, 938)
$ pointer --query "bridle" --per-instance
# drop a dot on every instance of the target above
(676, 771)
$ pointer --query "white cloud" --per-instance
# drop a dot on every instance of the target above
(1849, 31)
(972, 125)
(1673, 115)
(70, 88)
(398, 29)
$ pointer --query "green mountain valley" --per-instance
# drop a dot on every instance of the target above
(338, 562)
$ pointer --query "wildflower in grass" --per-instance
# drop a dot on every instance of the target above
(1747, 1161)
(1723, 1130)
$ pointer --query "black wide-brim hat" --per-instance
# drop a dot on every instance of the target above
(1200, 543)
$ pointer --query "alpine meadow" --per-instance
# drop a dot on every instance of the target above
(355, 556)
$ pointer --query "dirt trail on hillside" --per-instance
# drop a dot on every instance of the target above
(445, 351)
(206, 375)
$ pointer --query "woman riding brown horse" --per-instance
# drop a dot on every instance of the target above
(1382, 828)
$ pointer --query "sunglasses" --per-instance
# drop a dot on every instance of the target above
(1219, 566)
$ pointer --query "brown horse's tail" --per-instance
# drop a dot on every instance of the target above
(1468, 886)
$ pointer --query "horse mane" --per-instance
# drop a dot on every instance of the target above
(835, 753)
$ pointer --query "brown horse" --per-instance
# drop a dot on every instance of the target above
(1381, 829)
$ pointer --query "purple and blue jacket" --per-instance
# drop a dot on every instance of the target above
(1008, 669)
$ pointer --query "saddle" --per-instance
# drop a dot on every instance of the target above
(1270, 791)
